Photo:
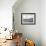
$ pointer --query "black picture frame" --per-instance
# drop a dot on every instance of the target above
(28, 18)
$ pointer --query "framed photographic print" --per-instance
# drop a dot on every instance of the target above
(28, 18)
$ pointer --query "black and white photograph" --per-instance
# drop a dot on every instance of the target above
(28, 18)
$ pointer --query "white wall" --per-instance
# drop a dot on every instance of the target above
(30, 31)
(6, 13)
(43, 22)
